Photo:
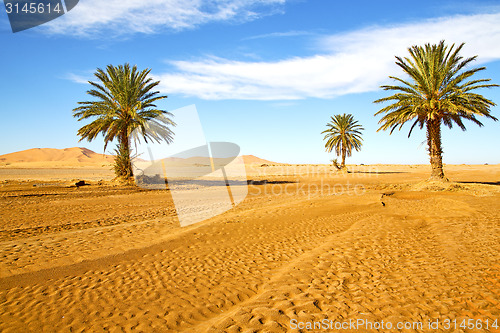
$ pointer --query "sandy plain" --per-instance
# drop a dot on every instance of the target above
(307, 244)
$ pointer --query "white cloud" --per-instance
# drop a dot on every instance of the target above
(83, 79)
(120, 17)
(353, 62)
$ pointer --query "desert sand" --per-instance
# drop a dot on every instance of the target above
(307, 244)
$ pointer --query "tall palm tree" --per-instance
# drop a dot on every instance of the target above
(439, 91)
(124, 107)
(343, 134)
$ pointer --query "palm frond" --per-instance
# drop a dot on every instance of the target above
(436, 87)
(343, 132)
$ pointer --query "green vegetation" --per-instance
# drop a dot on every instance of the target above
(342, 135)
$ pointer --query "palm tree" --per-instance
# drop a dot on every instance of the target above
(125, 109)
(439, 91)
(343, 134)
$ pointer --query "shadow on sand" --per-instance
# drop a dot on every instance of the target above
(378, 172)
(484, 183)
(265, 181)
(157, 180)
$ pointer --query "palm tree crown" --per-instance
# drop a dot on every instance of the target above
(125, 106)
(439, 91)
(343, 134)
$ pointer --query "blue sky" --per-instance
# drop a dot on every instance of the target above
(265, 74)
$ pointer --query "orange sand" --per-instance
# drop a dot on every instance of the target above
(376, 244)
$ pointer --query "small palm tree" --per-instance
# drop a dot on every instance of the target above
(439, 91)
(343, 134)
(125, 106)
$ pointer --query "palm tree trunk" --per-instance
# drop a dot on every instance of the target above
(342, 166)
(125, 141)
(435, 150)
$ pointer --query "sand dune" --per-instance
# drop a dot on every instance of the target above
(51, 157)
(78, 156)
(251, 159)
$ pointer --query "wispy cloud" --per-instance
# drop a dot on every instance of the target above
(293, 33)
(121, 17)
(353, 62)
(77, 78)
